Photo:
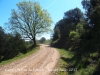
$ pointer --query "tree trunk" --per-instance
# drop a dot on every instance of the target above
(34, 41)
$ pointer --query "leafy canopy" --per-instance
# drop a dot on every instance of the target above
(30, 19)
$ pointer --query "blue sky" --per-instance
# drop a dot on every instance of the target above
(56, 8)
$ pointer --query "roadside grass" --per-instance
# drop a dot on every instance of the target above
(62, 63)
(67, 65)
(20, 56)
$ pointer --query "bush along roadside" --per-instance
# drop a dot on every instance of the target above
(69, 64)
(21, 55)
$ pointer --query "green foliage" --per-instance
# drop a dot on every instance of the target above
(74, 15)
(56, 34)
(94, 54)
(81, 36)
(74, 35)
(30, 20)
(65, 55)
(80, 28)
(2, 41)
(19, 56)
(12, 48)
(93, 17)
(71, 22)
(11, 45)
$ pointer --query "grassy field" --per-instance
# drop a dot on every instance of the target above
(19, 56)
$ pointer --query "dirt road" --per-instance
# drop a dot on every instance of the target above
(40, 63)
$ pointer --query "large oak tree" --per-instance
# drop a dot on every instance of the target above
(30, 20)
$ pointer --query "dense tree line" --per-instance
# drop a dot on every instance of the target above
(80, 33)
(11, 45)
(68, 26)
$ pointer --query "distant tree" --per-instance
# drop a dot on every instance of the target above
(42, 40)
(30, 20)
